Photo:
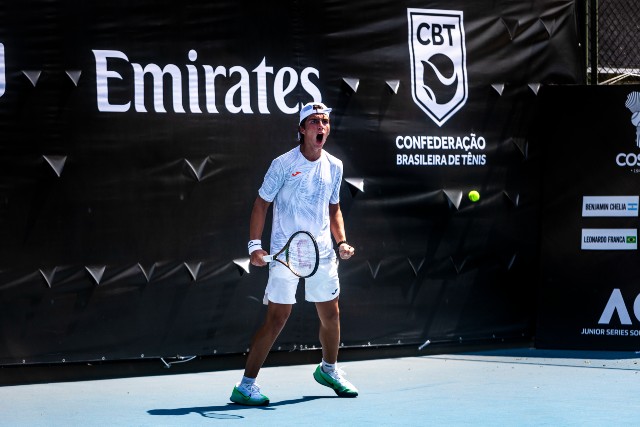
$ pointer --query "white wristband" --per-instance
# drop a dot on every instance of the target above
(254, 245)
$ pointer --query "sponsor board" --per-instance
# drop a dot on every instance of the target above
(237, 99)
(195, 87)
(439, 87)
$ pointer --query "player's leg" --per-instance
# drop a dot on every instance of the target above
(281, 287)
(323, 289)
(327, 373)
(276, 318)
(329, 315)
(247, 391)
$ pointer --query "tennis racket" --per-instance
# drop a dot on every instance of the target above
(301, 254)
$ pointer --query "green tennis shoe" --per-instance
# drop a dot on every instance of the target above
(335, 380)
(250, 396)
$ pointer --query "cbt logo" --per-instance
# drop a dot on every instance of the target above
(438, 62)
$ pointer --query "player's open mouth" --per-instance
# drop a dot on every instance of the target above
(319, 137)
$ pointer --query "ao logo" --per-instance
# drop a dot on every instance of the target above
(616, 304)
(438, 62)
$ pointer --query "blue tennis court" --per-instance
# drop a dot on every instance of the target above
(511, 387)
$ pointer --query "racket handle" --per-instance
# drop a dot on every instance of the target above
(267, 258)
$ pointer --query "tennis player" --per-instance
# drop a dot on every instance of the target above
(304, 186)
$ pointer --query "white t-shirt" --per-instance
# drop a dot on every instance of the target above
(302, 191)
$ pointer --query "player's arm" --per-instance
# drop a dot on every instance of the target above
(336, 222)
(256, 226)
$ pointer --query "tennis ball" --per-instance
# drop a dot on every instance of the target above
(474, 196)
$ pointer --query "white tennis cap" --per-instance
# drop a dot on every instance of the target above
(313, 108)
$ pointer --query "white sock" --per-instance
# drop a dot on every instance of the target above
(247, 382)
(328, 367)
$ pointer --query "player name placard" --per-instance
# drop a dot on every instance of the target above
(610, 206)
(610, 239)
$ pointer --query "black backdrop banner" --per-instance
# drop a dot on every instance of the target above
(589, 288)
(135, 136)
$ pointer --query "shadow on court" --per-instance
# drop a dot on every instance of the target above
(215, 411)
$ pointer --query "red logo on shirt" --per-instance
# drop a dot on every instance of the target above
(296, 173)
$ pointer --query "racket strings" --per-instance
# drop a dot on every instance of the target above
(302, 255)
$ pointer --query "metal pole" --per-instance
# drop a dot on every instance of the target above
(593, 38)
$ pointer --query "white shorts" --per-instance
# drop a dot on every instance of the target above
(322, 286)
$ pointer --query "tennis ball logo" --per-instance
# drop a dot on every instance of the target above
(440, 78)
(474, 196)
